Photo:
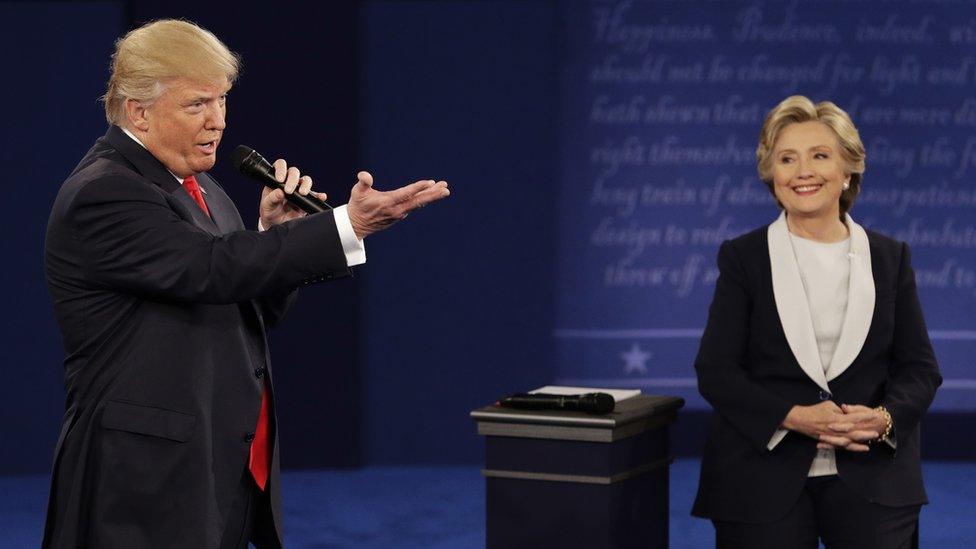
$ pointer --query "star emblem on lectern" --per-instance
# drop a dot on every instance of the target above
(635, 360)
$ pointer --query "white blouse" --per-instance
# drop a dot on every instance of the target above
(825, 270)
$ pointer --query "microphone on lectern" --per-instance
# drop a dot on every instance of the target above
(591, 403)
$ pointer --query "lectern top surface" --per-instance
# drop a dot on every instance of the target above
(626, 411)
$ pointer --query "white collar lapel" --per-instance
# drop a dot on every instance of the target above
(860, 303)
(791, 302)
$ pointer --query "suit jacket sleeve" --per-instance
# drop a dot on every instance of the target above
(913, 376)
(723, 379)
(131, 239)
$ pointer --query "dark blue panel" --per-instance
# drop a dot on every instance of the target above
(458, 298)
(55, 66)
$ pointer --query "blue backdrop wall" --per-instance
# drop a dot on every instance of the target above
(598, 152)
(662, 106)
(458, 300)
(51, 118)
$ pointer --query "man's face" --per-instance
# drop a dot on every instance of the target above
(184, 126)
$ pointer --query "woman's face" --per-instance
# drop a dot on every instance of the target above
(809, 172)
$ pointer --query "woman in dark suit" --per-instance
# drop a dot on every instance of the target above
(816, 359)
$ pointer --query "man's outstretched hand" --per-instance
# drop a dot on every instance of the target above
(371, 210)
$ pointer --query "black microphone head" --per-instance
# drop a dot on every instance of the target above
(239, 155)
(249, 162)
(597, 403)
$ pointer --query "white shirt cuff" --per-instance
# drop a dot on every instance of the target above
(354, 248)
(777, 437)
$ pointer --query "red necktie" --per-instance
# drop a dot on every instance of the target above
(193, 188)
(259, 459)
(260, 446)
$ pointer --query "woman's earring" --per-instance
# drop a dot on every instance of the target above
(847, 186)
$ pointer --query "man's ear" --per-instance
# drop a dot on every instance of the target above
(137, 114)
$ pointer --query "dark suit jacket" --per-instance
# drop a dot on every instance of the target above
(758, 358)
(163, 313)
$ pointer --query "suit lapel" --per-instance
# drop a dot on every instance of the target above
(222, 209)
(791, 302)
(860, 303)
(154, 170)
(200, 218)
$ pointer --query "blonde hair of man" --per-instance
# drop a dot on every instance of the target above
(149, 57)
(798, 108)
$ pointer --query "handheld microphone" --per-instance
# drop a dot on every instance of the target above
(253, 165)
(591, 403)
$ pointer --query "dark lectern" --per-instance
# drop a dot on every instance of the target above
(568, 479)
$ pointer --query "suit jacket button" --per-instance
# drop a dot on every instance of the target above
(824, 395)
(259, 373)
(249, 437)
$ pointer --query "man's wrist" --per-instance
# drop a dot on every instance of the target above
(357, 227)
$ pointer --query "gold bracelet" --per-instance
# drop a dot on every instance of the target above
(888, 422)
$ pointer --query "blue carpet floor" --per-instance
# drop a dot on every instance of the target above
(441, 508)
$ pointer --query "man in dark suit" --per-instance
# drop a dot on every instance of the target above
(163, 300)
